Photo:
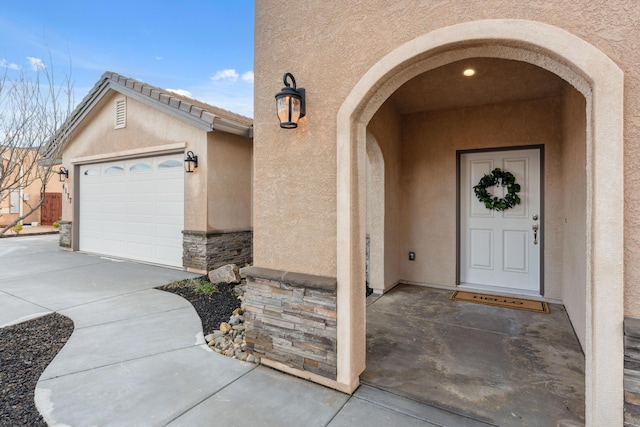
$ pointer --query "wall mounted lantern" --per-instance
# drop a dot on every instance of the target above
(290, 102)
(63, 174)
(191, 162)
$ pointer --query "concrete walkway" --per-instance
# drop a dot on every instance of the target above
(137, 355)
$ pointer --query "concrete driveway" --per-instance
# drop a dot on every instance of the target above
(137, 355)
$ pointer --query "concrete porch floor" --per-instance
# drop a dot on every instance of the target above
(495, 365)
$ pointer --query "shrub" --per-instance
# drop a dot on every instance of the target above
(56, 224)
(206, 288)
(17, 228)
(199, 284)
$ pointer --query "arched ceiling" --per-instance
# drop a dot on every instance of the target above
(496, 81)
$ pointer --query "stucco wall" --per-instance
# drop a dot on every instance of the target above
(230, 168)
(295, 175)
(429, 145)
(146, 127)
(574, 198)
(386, 126)
(32, 193)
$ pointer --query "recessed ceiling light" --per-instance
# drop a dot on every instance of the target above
(469, 72)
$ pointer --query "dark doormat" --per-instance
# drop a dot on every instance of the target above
(508, 302)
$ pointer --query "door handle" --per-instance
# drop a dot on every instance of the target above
(534, 227)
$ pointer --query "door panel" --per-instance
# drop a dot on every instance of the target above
(516, 252)
(497, 248)
(481, 248)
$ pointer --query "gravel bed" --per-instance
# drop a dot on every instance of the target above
(25, 351)
(213, 309)
(27, 348)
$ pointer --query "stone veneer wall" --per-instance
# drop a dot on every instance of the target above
(291, 319)
(65, 234)
(631, 371)
(208, 250)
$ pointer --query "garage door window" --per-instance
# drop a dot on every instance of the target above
(93, 171)
(114, 170)
(140, 167)
(170, 164)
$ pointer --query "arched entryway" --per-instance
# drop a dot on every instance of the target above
(599, 81)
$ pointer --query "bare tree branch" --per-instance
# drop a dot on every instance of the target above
(33, 105)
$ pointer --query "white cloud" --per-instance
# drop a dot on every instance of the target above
(10, 65)
(181, 92)
(36, 63)
(248, 76)
(225, 75)
(238, 103)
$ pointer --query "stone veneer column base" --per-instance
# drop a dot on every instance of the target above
(207, 250)
(65, 234)
(631, 371)
(291, 323)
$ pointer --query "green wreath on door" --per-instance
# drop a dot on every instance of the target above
(504, 178)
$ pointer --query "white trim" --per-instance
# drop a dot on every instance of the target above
(137, 152)
(600, 80)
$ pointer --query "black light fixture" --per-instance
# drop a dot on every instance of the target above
(290, 102)
(63, 174)
(191, 162)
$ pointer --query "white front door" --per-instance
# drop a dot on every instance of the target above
(500, 250)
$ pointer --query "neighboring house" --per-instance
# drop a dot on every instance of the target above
(128, 193)
(393, 141)
(20, 198)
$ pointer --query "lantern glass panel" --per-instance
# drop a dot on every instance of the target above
(288, 109)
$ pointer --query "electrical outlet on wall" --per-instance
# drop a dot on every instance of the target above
(412, 256)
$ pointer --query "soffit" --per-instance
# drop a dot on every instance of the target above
(496, 81)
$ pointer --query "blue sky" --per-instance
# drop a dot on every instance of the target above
(201, 47)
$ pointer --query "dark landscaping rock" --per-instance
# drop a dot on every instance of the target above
(25, 351)
(211, 308)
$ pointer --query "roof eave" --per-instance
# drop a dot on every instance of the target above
(232, 127)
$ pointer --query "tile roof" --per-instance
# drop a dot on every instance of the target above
(204, 116)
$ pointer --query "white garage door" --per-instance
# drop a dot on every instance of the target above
(134, 209)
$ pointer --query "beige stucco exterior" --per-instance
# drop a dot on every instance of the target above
(428, 223)
(30, 192)
(148, 131)
(230, 160)
(217, 195)
(310, 196)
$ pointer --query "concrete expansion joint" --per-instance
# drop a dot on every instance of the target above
(210, 395)
(142, 316)
(119, 362)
